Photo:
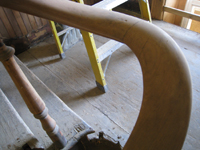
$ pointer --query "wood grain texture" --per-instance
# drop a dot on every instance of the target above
(165, 112)
(182, 13)
(38, 22)
(16, 24)
(6, 23)
(157, 9)
(20, 22)
(32, 21)
(115, 112)
(172, 18)
(44, 21)
(181, 5)
(26, 22)
(13, 22)
(3, 30)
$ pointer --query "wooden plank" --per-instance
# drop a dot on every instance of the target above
(168, 17)
(26, 22)
(3, 31)
(13, 22)
(182, 13)
(7, 23)
(20, 22)
(157, 9)
(181, 5)
(44, 21)
(38, 21)
(32, 22)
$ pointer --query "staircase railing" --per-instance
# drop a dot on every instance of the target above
(165, 112)
(33, 101)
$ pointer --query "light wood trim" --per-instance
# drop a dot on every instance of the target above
(182, 13)
(157, 9)
(165, 112)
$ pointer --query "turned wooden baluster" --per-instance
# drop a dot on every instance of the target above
(33, 101)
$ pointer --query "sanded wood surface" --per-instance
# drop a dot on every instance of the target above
(189, 43)
(115, 112)
(165, 112)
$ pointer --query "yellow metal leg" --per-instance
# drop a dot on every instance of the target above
(55, 34)
(145, 11)
(92, 51)
(94, 60)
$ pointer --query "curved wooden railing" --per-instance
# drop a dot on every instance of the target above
(165, 112)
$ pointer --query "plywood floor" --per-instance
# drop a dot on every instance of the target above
(116, 111)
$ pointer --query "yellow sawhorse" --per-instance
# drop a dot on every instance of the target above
(91, 47)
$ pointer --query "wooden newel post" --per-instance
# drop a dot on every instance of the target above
(33, 101)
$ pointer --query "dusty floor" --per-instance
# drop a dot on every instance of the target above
(116, 111)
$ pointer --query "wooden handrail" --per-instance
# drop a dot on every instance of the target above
(165, 112)
(32, 99)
